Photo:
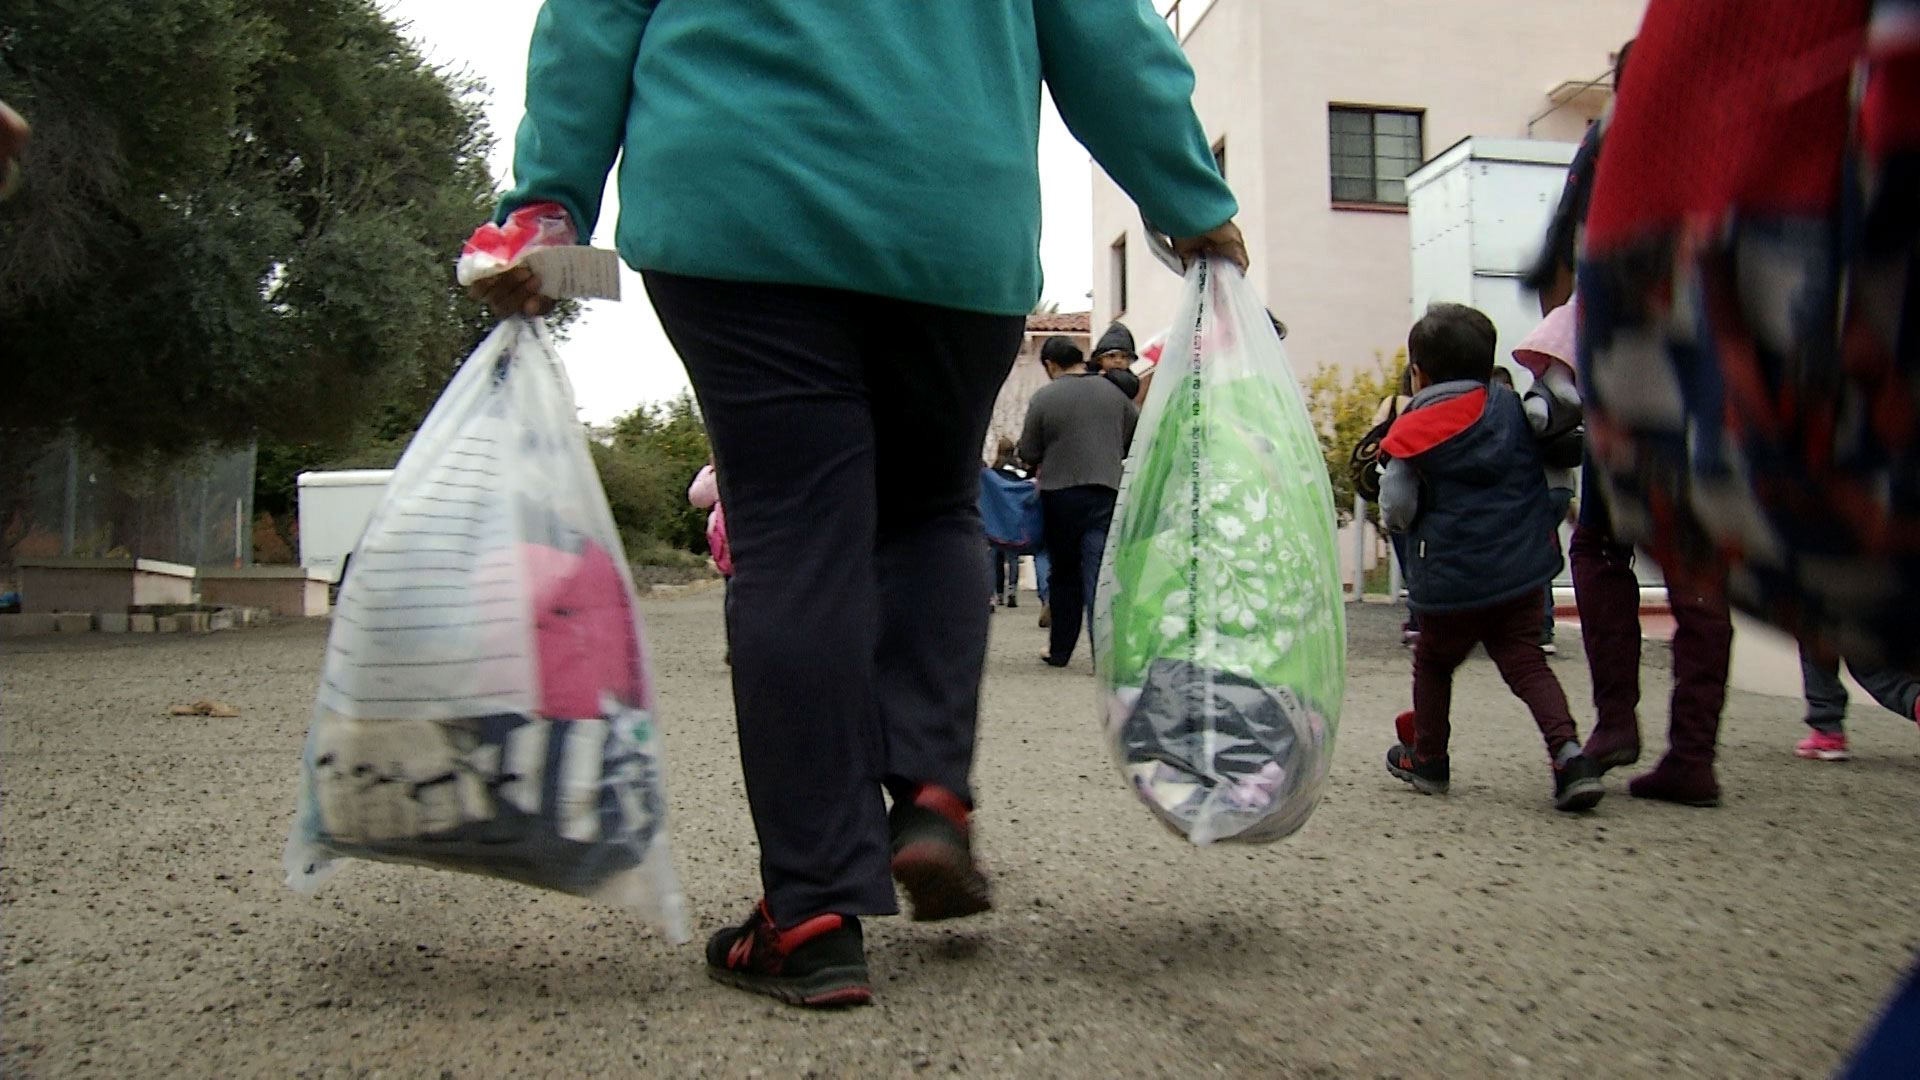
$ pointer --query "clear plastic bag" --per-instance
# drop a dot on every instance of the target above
(1219, 630)
(485, 703)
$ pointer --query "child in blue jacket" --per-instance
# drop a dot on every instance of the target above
(1467, 485)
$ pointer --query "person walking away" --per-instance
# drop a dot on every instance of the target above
(1467, 485)
(1606, 589)
(1006, 562)
(1077, 433)
(704, 494)
(847, 310)
(1826, 695)
(1548, 353)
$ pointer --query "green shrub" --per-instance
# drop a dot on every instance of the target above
(646, 466)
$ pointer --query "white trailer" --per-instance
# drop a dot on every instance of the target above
(334, 510)
(1477, 215)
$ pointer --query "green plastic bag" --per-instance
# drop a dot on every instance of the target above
(1219, 627)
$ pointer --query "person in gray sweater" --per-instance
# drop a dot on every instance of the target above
(1077, 432)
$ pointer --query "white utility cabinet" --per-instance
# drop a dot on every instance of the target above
(1477, 215)
(334, 510)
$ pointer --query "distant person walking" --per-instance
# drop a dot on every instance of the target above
(704, 494)
(1077, 432)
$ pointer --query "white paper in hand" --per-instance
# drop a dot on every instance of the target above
(577, 271)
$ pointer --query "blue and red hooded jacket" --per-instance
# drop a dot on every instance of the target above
(1466, 485)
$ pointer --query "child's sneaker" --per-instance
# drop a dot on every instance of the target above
(933, 856)
(1824, 746)
(1403, 727)
(1576, 784)
(1428, 777)
(822, 962)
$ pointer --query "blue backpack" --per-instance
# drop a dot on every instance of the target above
(1010, 509)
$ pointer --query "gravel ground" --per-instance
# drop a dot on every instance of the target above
(146, 931)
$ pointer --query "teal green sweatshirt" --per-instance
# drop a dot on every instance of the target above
(884, 146)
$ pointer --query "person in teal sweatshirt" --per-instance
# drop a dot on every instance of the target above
(835, 207)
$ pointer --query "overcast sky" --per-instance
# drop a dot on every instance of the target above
(616, 354)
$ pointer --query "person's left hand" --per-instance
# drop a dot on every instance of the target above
(1222, 240)
(513, 292)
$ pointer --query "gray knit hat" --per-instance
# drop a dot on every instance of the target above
(1117, 337)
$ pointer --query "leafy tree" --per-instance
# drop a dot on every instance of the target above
(237, 223)
(669, 440)
(1342, 405)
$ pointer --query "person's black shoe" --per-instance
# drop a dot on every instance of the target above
(1576, 784)
(1428, 776)
(820, 963)
(933, 856)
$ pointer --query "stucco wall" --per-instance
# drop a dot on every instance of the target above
(1266, 72)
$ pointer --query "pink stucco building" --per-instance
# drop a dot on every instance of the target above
(1317, 109)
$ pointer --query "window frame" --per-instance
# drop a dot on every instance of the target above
(1117, 259)
(1373, 136)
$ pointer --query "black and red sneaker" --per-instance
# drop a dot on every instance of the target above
(1427, 775)
(933, 856)
(821, 962)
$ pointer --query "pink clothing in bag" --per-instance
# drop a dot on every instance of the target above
(705, 493)
(584, 632)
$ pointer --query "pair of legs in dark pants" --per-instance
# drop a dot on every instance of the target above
(1608, 596)
(848, 431)
(1827, 695)
(1076, 523)
(1511, 633)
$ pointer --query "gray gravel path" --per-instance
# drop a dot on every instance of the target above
(146, 932)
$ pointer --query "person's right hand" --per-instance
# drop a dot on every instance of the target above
(1222, 240)
(514, 292)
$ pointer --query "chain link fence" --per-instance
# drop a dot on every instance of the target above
(67, 499)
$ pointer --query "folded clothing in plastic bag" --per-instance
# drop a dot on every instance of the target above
(484, 703)
(1204, 744)
(1219, 627)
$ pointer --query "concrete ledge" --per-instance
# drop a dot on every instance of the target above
(49, 586)
(140, 624)
(283, 590)
(73, 623)
(26, 625)
(165, 624)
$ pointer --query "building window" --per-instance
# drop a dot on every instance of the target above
(1220, 156)
(1120, 275)
(1372, 151)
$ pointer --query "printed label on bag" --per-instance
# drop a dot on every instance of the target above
(576, 271)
